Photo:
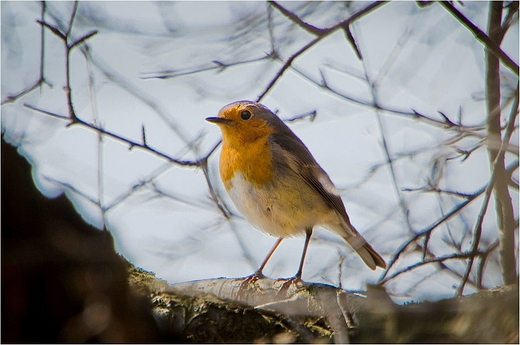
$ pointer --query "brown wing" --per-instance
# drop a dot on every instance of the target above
(306, 166)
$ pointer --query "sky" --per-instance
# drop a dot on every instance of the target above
(162, 67)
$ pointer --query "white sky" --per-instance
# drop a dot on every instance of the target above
(418, 58)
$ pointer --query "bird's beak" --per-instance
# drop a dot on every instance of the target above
(218, 120)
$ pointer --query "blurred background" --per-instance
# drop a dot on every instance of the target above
(107, 100)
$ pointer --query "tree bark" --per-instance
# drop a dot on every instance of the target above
(234, 310)
(505, 215)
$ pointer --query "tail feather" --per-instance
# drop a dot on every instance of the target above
(369, 255)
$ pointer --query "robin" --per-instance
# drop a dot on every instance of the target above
(276, 183)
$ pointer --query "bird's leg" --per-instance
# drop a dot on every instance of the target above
(298, 276)
(258, 273)
(308, 233)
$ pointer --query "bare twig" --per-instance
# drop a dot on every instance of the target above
(285, 66)
(477, 233)
(482, 37)
(512, 8)
(455, 210)
(297, 20)
(28, 89)
(146, 99)
(130, 142)
(323, 33)
(72, 17)
(215, 65)
(440, 259)
(311, 115)
(41, 79)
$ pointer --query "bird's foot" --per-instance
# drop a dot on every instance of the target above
(295, 281)
(249, 282)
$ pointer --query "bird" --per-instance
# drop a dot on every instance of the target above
(277, 185)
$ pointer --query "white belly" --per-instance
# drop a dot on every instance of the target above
(279, 214)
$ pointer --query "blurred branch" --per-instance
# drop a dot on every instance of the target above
(442, 122)
(321, 34)
(72, 17)
(454, 211)
(41, 78)
(141, 183)
(65, 37)
(216, 65)
(28, 89)
(130, 142)
(489, 43)
(297, 20)
(311, 115)
(73, 189)
(286, 65)
(506, 222)
(512, 9)
(440, 259)
(126, 85)
(477, 233)
(429, 229)
(204, 166)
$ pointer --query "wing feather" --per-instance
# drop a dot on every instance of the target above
(306, 166)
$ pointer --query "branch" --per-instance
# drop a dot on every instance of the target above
(286, 65)
(440, 259)
(482, 37)
(82, 39)
(53, 29)
(216, 65)
(297, 20)
(429, 229)
(477, 233)
(35, 85)
(225, 310)
(41, 79)
(455, 210)
(130, 142)
(323, 33)
(504, 209)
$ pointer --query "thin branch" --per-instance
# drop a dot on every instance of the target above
(512, 11)
(477, 233)
(53, 29)
(141, 183)
(440, 259)
(455, 210)
(311, 115)
(297, 20)
(41, 78)
(482, 37)
(72, 17)
(128, 86)
(82, 39)
(130, 142)
(324, 33)
(468, 130)
(13, 98)
(216, 65)
(352, 41)
(286, 65)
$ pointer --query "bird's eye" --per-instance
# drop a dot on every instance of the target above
(245, 115)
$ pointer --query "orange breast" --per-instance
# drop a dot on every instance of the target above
(253, 160)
